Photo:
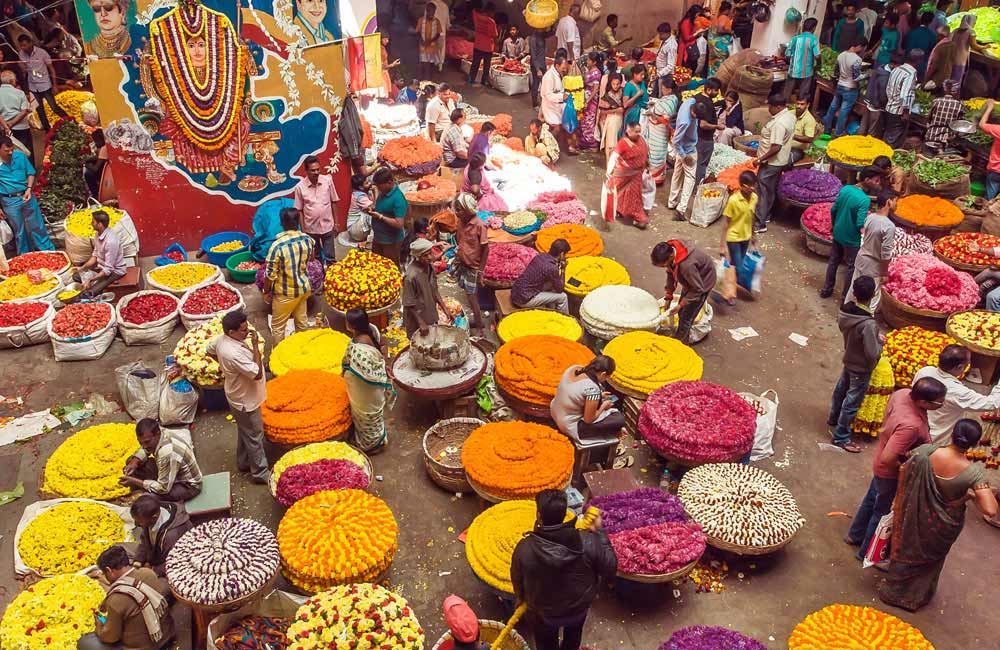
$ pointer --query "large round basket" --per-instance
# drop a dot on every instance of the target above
(486, 495)
(691, 464)
(961, 266)
(488, 633)
(378, 311)
(658, 578)
(525, 408)
(736, 549)
(974, 347)
(231, 605)
(627, 392)
(443, 452)
(443, 384)
(742, 143)
(931, 232)
(272, 485)
(428, 209)
(815, 243)
(898, 314)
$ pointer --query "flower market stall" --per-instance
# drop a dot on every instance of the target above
(516, 460)
(56, 262)
(645, 361)
(147, 317)
(88, 464)
(364, 280)
(519, 178)
(428, 195)
(837, 625)
(581, 239)
(804, 187)
(954, 251)
(390, 122)
(923, 290)
(179, 278)
(527, 369)
(817, 224)
(911, 348)
(24, 323)
(559, 207)
(306, 406)
(588, 272)
(855, 152)
(361, 616)
(979, 331)
(927, 215)
(52, 615)
(505, 262)
(411, 156)
(191, 353)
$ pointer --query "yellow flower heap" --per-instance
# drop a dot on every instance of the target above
(362, 279)
(355, 617)
(589, 272)
(573, 84)
(52, 614)
(857, 150)
(71, 101)
(321, 349)
(838, 627)
(228, 246)
(645, 361)
(88, 464)
(80, 222)
(183, 275)
(539, 321)
(69, 536)
(317, 451)
(191, 352)
(21, 286)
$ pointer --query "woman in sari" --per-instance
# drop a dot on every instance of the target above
(656, 130)
(588, 132)
(610, 118)
(474, 182)
(387, 65)
(720, 38)
(635, 94)
(622, 193)
(929, 512)
(368, 386)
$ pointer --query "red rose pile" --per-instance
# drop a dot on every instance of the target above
(54, 262)
(148, 308)
(657, 549)
(81, 319)
(175, 256)
(299, 481)
(210, 299)
(18, 314)
(511, 65)
(698, 421)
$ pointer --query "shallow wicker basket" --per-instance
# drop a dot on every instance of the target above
(736, 549)
(973, 346)
(961, 266)
(898, 314)
(488, 632)
(931, 232)
(443, 452)
(657, 578)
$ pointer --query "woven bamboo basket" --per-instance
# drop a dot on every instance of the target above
(428, 209)
(961, 266)
(736, 549)
(488, 632)
(486, 495)
(898, 315)
(974, 347)
(658, 578)
(741, 143)
(815, 243)
(442, 446)
(498, 284)
(931, 232)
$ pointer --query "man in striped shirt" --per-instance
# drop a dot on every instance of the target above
(899, 93)
(286, 284)
(164, 464)
(802, 53)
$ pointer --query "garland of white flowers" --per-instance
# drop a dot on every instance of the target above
(146, 17)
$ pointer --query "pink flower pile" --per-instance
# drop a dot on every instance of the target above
(817, 220)
(698, 421)
(299, 481)
(494, 222)
(906, 244)
(554, 196)
(660, 548)
(925, 282)
(506, 262)
(559, 206)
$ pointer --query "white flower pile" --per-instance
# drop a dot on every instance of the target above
(390, 122)
(522, 177)
(724, 157)
(614, 309)
(222, 560)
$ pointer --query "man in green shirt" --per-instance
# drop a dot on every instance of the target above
(848, 214)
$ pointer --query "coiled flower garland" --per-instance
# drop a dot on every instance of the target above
(530, 367)
(306, 406)
(517, 460)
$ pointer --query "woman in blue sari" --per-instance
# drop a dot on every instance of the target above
(636, 96)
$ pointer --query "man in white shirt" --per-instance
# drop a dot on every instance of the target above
(14, 110)
(774, 154)
(953, 363)
(900, 92)
(666, 56)
(553, 95)
(439, 108)
(568, 34)
(869, 17)
(848, 76)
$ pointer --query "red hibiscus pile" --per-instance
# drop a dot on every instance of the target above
(511, 65)
(210, 299)
(54, 262)
(19, 314)
(299, 481)
(148, 308)
(660, 548)
(698, 421)
(175, 256)
(81, 319)
(506, 262)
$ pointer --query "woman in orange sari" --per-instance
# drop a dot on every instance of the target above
(622, 193)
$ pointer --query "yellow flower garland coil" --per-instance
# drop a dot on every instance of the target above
(645, 361)
(590, 272)
(539, 321)
(310, 453)
(857, 150)
(88, 464)
(355, 617)
(52, 615)
(612, 310)
(320, 349)
(69, 536)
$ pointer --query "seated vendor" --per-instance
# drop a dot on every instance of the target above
(164, 465)
(893, 176)
(540, 142)
(805, 129)
(159, 526)
(581, 408)
(542, 283)
(107, 264)
(135, 614)
(463, 625)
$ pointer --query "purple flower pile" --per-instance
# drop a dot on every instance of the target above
(808, 186)
(299, 481)
(703, 637)
(636, 508)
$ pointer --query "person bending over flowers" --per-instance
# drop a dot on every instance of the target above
(164, 464)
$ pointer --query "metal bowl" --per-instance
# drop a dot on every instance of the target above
(965, 127)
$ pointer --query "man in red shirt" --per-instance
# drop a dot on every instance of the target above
(904, 428)
(484, 43)
(993, 166)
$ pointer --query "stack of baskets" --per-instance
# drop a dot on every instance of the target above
(443, 452)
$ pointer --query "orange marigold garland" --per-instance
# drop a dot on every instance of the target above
(581, 239)
(306, 406)
(837, 627)
(432, 189)
(514, 143)
(925, 210)
(517, 460)
(337, 537)
(530, 367)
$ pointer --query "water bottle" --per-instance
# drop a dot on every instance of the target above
(665, 480)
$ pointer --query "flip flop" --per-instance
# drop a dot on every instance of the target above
(620, 450)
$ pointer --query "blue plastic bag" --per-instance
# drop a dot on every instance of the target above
(751, 275)
(569, 121)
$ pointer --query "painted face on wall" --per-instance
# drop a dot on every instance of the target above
(109, 16)
(196, 50)
(312, 11)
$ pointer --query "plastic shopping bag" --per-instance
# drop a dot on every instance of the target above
(751, 275)
(878, 548)
(178, 401)
(139, 388)
(648, 191)
(725, 279)
(569, 120)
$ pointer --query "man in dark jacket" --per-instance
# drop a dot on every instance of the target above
(159, 525)
(556, 570)
(691, 269)
(862, 349)
(875, 100)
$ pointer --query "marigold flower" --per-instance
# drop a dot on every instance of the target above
(530, 367)
(319, 349)
(517, 460)
(531, 322)
(52, 614)
(355, 617)
(306, 406)
(645, 361)
(88, 464)
(582, 240)
(69, 536)
(851, 626)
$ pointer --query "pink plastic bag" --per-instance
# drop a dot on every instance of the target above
(878, 548)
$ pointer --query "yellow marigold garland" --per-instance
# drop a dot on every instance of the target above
(183, 275)
(317, 451)
(306, 406)
(530, 322)
(320, 349)
(355, 617)
(872, 411)
(582, 240)
(644, 361)
(21, 286)
(517, 460)
(88, 464)
(52, 614)
(69, 536)
(362, 279)
(71, 101)
(858, 150)
(911, 348)
(530, 367)
(336, 537)
(590, 272)
(838, 627)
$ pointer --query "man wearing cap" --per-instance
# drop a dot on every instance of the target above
(471, 252)
(420, 291)
(463, 625)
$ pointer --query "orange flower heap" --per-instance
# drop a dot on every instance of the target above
(335, 538)
(923, 210)
(836, 627)
(581, 239)
(530, 367)
(432, 189)
(306, 406)
(517, 460)
(410, 150)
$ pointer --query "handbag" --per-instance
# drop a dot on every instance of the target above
(6, 234)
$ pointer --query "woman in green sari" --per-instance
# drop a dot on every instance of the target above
(368, 385)
(929, 512)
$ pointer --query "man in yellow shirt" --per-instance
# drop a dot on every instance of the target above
(738, 233)
(805, 129)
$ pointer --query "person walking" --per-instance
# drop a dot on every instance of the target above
(953, 363)
(848, 213)
(708, 126)
(243, 371)
(484, 43)
(738, 213)
(421, 298)
(691, 270)
(904, 428)
(553, 96)
(471, 245)
(622, 193)
(849, 30)
(17, 199)
(844, 98)
(802, 53)
(286, 282)
(41, 76)
(430, 34)
(536, 47)
(369, 388)
(316, 198)
(568, 33)
(556, 571)
(862, 349)
(774, 154)
(666, 56)
(900, 93)
(875, 252)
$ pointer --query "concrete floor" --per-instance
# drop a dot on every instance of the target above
(771, 596)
